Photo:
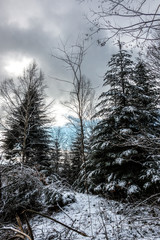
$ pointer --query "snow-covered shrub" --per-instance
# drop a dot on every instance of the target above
(133, 190)
(68, 198)
(52, 197)
(26, 188)
(21, 189)
(57, 197)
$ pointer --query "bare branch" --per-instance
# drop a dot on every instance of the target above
(61, 80)
(17, 231)
(53, 219)
(130, 18)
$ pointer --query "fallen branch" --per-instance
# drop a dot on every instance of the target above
(64, 225)
(17, 231)
(29, 227)
(64, 212)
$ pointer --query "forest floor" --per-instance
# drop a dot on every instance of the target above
(100, 219)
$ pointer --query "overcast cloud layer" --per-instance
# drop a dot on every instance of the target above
(31, 29)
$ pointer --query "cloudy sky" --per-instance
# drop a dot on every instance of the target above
(32, 29)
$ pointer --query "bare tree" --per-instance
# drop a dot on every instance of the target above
(81, 95)
(136, 19)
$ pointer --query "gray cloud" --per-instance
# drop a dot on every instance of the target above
(30, 29)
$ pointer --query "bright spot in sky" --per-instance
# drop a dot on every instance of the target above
(60, 113)
(16, 67)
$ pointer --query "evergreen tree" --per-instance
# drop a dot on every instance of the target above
(76, 150)
(58, 143)
(76, 157)
(119, 153)
(26, 136)
(107, 143)
(66, 166)
(56, 155)
(145, 94)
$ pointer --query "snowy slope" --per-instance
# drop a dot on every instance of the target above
(100, 219)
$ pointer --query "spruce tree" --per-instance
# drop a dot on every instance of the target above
(119, 153)
(106, 143)
(145, 94)
(75, 157)
(26, 136)
(66, 166)
(56, 155)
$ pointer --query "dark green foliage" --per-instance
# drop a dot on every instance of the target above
(76, 152)
(26, 137)
(146, 97)
(123, 142)
(56, 155)
(66, 167)
(117, 77)
(76, 157)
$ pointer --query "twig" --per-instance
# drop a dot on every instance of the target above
(29, 227)
(43, 215)
(64, 212)
(16, 230)
(19, 223)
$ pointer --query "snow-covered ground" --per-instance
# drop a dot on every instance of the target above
(100, 219)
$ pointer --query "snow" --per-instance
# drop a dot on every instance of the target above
(155, 178)
(133, 189)
(125, 131)
(100, 219)
(122, 183)
(119, 161)
(128, 153)
(130, 109)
